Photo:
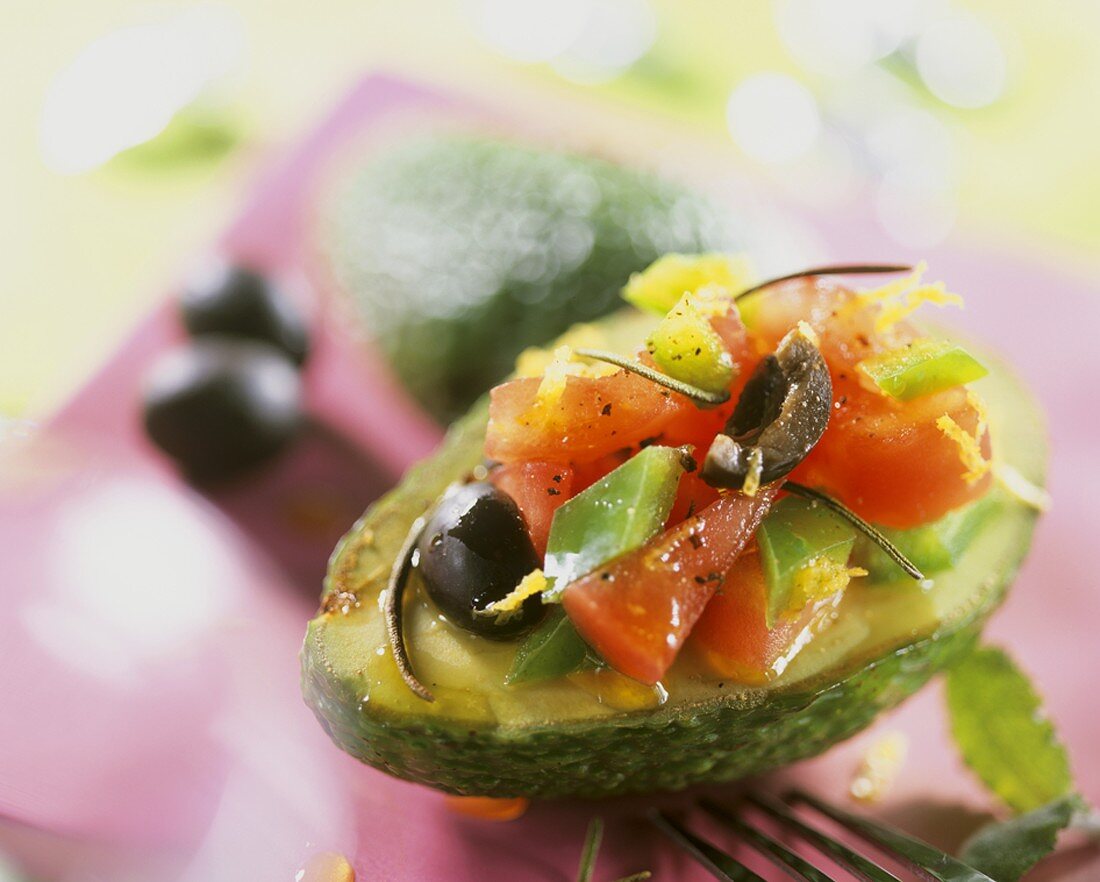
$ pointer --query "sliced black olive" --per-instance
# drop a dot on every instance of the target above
(781, 414)
(474, 549)
(240, 302)
(222, 405)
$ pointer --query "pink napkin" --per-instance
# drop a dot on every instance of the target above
(153, 725)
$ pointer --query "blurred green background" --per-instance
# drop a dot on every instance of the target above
(974, 118)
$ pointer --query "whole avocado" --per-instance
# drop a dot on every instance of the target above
(456, 253)
(553, 739)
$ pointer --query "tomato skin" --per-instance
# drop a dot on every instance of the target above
(594, 416)
(889, 461)
(693, 495)
(539, 489)
(732, 634)
(885, 459)
(638, 610)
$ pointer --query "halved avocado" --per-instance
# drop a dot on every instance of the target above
(456, 252)
(557, 739)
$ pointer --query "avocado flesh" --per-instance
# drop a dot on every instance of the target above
(455, 253)
(553, 738)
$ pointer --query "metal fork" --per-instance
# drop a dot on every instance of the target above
(926, 861)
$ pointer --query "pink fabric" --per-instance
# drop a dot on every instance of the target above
(197, 757)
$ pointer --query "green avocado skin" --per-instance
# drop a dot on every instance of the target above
(456, 253)
(716, 742)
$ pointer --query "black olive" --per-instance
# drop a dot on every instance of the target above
(474, 549)
(240, 302)
(780, 416)
(222, 405)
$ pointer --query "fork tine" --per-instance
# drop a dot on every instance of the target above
(926, 860)
(721, 865)
(857, 863)
(778, 854)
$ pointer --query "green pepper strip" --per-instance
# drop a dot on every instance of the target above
(699, 396)
(395, 595)
(856, 521)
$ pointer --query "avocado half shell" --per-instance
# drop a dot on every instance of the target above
(556, 739)
(455, 252)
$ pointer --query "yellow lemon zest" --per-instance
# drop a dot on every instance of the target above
(819, 579)
(879, 767)
(902, 297)
(970, 448)
(534, 360)
(502, 610)
(808, 332)
(751, 485)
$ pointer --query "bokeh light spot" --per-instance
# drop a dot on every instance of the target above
(773, 117)
(961, 62)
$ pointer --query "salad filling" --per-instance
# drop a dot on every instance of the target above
(709, 502)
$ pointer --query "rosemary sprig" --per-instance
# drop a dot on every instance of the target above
(699, 396)
(591, 850)
(587, 865)
(843, 269)
(856, 521)
(393, 610)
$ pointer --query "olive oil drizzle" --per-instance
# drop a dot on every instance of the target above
(859, 523)
(394, 610)
(699, 396)
(842, 269)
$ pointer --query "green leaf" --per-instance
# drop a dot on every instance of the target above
(591, 850)
(1002, 732)
(1007, 850)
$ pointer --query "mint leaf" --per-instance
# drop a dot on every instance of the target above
(1007, 850)
(1002, 732)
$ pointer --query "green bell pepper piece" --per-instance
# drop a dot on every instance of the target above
(687, 348)
(621, 511)
(922, 368)
(795, 533)
(932, 547)
(617, 514)
(554, 649)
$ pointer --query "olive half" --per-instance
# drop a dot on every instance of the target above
(780, 416)
(473, 551)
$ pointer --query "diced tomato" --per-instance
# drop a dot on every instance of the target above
(637, 610)
(538, 488)
(593, 417)
(588, 473)
(732, 635)
(887, 460)
(736, 338)
(487, 808)
(693, 495)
